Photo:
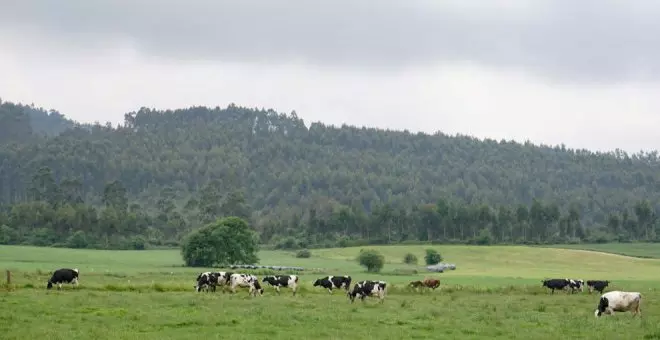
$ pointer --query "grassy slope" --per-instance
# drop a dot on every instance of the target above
(642, 250)
(455, 310)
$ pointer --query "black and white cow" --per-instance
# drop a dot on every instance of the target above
(278, 281)
(575, 285)
(206, 281)
(597, 285)
(618, 301)
(246, 281)
(336, 282)
(368, 288)
(222, 280)
(63, 275)
(556, 284)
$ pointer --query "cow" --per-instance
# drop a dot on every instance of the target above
(278, 281)
(246, 281)
(337, 282)
(555, 284)
(618, 301)
(427, 283)
(416, 284)
(576, 284)
(431, 283)
(63, 275)
(598, 285)
(368, 288)
(222, 280)
(206, 281)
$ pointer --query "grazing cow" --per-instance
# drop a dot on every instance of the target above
(278, 281)
(330, 282)
(246, 281)
(597, 285)
(206, 281)
(416, 284)
(63, 275)
(432, 283)
(555, 284)
(222, 280)
(576, 284)
(368, 288)
(618, 301)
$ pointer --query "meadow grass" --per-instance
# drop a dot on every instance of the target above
(643, 250)
(495, 292)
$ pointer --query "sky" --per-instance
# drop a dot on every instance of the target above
(583, 73)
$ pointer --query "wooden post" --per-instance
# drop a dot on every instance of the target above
(8, 278)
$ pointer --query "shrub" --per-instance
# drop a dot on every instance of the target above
(303, 254)
(432, 257)
(372, 260)
(410, 258)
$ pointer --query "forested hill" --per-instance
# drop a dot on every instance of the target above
(287, 171)
(20, 123)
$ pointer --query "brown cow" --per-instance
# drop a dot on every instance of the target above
(431, 283)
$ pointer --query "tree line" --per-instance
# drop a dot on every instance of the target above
(57, 215)
(163, 173)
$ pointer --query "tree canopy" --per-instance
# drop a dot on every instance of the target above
(163, 173)
(226, 241)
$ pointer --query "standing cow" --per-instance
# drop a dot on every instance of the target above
(368, 288)
(618, 301)
(206, 281)
(556, 284)
(246, 281)
(336, 282)
(575, 285)
(278, 281)
(63, 275)
(597, 285)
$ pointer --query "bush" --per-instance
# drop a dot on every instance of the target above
(372, 260)
(410, 258)
(77, 240)
(227, 241)
(304, 254)
(432, 257)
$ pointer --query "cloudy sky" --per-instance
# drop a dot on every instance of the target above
(584, 73)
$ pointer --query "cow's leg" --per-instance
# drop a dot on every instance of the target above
(277, 288)
(294, 290)
(59, 286)
(329, 290)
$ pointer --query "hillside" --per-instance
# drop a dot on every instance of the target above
(21, 123)
(322, 184)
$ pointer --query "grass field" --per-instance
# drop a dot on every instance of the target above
(494, 293)
(643, 250)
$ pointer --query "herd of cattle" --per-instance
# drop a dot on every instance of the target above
(610, 302)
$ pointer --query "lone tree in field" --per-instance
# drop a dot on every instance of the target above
(372, 260)
(432, 257)
(226, 241)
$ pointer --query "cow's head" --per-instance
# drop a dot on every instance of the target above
(49, 285)
(317, 282)
(602, 306)
(76, 270)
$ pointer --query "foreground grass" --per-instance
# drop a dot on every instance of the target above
(642, 250)
(494, 293)
(85, 314)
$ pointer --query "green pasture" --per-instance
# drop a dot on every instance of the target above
(495, 292)
(643, 250)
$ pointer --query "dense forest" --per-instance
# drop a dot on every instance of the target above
(161, 174)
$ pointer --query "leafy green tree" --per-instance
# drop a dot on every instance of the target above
(372, 260)
(432, 257)
(227, 241)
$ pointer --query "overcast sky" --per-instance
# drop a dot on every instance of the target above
(584, 73)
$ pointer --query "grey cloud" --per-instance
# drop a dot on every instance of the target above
(584, 40)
